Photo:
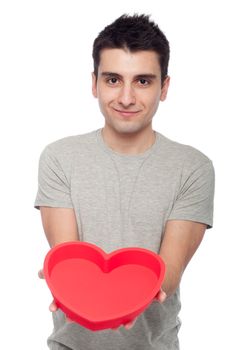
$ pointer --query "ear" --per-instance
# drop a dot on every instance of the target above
(164, 89)
(94, 85)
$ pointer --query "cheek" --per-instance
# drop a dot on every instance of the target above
(106, 97)
(150, 97)
(152, 102)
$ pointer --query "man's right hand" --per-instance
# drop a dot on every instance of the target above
(52, 307)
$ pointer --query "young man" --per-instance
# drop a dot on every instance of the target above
(128, 185)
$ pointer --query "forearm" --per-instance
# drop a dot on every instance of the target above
(59, 225)
(171, 280)
(181, 240)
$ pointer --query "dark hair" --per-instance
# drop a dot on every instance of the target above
(135, 33)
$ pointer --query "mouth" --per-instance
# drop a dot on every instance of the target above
(126, 113)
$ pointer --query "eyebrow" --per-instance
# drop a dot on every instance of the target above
(138, 76)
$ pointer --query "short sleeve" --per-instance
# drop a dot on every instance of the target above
(194, 201)
(53, 185)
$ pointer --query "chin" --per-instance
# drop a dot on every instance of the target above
(128, 130)
(128, 127)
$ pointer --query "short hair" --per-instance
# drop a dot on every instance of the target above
(135, 33)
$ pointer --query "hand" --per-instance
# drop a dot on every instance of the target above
(160, 297)
(52, 307)
(127, 325)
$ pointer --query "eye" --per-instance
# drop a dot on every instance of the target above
(112, 81)
(143, 82)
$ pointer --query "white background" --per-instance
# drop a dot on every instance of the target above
(45, 86)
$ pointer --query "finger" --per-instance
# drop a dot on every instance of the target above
(130, 324)
(41, 274)
(68, 320)
(53, 307)
(161, 296)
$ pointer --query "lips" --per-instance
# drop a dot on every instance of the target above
(126, 113)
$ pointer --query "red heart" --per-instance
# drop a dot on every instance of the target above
(100, 290)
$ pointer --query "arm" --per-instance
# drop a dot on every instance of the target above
(59, 225)
(181, 240)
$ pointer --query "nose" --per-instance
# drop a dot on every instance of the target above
(126, 96)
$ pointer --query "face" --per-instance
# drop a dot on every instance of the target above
(128, 88)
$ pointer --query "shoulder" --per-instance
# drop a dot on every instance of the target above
(71, 145)
(182, 154)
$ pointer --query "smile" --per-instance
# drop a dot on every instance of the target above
(126, 113)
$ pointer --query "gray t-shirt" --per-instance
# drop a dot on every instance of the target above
(125, 200)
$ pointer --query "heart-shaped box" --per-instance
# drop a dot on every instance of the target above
(100, 290)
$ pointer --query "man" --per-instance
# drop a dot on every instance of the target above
(128, 185)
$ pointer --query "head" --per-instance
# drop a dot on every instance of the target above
(133, 33)
(130, 74)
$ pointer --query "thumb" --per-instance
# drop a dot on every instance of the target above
(41, 274)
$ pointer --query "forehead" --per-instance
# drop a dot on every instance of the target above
(125, 62)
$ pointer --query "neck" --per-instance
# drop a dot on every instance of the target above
(126, 143)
